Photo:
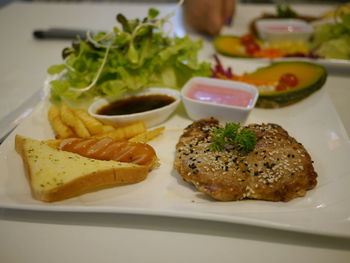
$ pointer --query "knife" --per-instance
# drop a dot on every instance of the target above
(11, 121)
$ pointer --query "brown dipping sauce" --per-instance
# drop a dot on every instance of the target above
(136, 104)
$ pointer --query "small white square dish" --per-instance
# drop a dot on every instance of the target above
(276, 30)
(225, 100)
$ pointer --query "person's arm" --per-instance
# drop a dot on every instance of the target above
(208, 16)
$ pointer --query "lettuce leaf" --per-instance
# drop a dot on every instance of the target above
(332, 41)
(338, 48)
(130, 58)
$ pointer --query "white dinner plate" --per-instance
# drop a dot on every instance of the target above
(313, 122)
(340, 66)
(332, 65)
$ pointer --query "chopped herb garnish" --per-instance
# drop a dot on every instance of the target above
(285, 11)
(234, 135)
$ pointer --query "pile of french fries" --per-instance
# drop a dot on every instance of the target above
(68, 122)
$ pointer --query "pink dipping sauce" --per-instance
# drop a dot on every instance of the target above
(220, 95)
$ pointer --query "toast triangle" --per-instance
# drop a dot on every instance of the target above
(56, 175)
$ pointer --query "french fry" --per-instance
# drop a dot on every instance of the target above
(68, 117)
(107, 128)
(93, 125)
(61, 129)
(147, 135)
(125, 132)
(80, 129)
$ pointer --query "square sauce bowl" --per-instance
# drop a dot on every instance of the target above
(276, 30)
(225, 100)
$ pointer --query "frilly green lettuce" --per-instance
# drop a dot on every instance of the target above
(332, 41)
(136, 56)
(338, 48)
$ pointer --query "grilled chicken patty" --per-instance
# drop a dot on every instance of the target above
(278, 169)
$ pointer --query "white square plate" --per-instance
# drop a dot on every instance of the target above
(313, 122)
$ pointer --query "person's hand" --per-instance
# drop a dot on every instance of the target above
(208, 16)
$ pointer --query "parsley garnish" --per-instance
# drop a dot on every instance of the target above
(233, 134)
(285, 11)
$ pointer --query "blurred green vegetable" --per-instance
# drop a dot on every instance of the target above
(285, 11)
(333, 40)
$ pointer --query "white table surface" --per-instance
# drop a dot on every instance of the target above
(27, 236)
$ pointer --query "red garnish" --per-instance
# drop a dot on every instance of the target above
(289, 79)
(250, 44)
(221, 73)
(219, 70)
(247, 39)
(251, 48)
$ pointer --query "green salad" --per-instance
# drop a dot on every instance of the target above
(333, 40)
(134, 56)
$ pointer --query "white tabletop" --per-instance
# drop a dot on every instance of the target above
(27, 236)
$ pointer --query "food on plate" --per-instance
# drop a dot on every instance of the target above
(62, 130)
(281, 83)
(86, 155)
(93, 125)
(147, 135)
(72, 120)
(229, 162)
(67, 122)
(276, 30)
(292, 48)
(229, 45)
(296, 48)
(219, 94)
(248, 46)
(338, 11)
(125, 132)
(109, 149)
(135, 104)
(67, 127)
(286, 11)
(223, 99)
(137, 55)
(56, 175)
(332, 40)
(283, 11)
(153, 106)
